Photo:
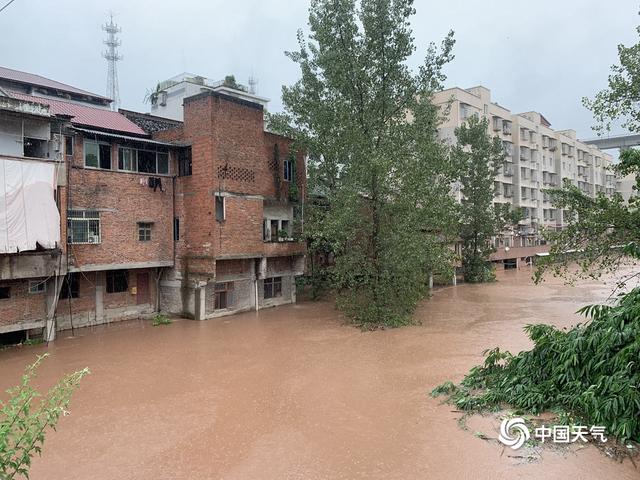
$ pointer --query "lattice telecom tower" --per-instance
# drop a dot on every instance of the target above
(112, 57)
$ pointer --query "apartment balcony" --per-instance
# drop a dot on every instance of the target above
(284, 247)
(38, 264)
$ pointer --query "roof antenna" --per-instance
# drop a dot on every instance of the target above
(253, 85)
(111, 55)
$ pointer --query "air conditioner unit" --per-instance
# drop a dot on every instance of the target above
(93, 239)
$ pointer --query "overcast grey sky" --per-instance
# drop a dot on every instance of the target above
(543, 55)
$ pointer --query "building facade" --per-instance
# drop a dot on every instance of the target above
(239, 203)
(536, 158)
(197, 217)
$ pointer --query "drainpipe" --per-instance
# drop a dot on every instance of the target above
(256, 290)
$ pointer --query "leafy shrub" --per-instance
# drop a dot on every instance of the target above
(26, 416)
(161, 319)
(591, 371)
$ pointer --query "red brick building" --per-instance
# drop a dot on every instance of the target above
(195, 217)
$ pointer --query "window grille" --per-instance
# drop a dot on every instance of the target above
(83, 226)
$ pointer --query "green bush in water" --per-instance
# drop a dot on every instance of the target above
(591, 371)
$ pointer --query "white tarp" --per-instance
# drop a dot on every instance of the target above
(28, 212)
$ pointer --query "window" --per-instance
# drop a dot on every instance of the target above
(144, 231)
(223, 295)
(35, 148)
(274, 230)
(105, 156)
(523, 134)
(117, 281)
(127, 159)
(70, 286)
(220, 208)
(163, 163)
(184, 162)
(272, 287)
(288, 170)
(5, 292)
(68, 145)
(37, 286)
(91, 154)
(83, 226)
(146, 161)
(152, 161)
(284, 228)
(143, 160)
(97, 155)
(176, 229)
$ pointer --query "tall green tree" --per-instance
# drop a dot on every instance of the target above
(604, 231)
(480, 157)
(369, 126)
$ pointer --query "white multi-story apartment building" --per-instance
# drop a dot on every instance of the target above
(536, 158)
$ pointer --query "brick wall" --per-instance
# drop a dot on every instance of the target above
(124, 199)
(232, 156)
(22, 306)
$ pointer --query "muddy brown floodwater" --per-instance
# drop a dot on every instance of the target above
(293, 393)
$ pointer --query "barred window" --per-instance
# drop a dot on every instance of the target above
(83, 226)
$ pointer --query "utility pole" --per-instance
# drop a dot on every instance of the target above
(111, 55)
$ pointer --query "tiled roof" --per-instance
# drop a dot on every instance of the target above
(32, 79)
(84, 115)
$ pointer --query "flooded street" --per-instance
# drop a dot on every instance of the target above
(293, 393)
